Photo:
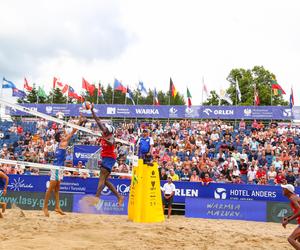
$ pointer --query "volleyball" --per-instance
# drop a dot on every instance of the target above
(87, 105)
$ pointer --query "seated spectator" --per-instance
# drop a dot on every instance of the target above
(194, 177)
(173, 176)
(272, 175)
(280, 178)
(290, 177)
(206, 180)
(163, 174)
(185, 175)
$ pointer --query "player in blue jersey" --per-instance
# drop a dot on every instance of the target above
(4, 179)
(57, 174)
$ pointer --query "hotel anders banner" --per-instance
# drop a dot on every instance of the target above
(150, 111)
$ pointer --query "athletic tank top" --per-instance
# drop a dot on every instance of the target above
(2, 181)
(295, 211)
(60, 157)
(107, 149)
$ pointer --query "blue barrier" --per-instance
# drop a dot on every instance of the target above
(79, 185)
(226, 209)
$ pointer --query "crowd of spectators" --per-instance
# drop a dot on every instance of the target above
(199, 151)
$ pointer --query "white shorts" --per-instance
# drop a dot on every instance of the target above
(57, 174)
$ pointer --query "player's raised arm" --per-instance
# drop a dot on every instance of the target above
(100, 125)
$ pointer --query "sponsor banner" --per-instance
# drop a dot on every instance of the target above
(83, 153)
(166, 111)
(225, 209)
(106, 205)
(35, 200)
(183, 189)
(277, 210)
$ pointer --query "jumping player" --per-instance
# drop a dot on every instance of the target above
(57, 174)
(289, 192)
(4, 179)
(108, 156)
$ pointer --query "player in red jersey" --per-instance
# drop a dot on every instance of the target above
(108, 156)
(289, 192)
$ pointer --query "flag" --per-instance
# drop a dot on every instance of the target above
(41, 92)
(59, 85)
(100, 91)
(26, 85)
(277, 89)
(73, 94)
(292, 99)
(88, 87)
(256, 98)
(8, 84)
(205, 89)
(224, 96)
(129, 95)
(173, 91)
(155, 97)
(189, 96)
(119, 87)
(238, 91)
(19, 93)
(142, 89)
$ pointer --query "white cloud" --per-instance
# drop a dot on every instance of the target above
(150, 40)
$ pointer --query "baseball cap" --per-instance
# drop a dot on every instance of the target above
(289, 187)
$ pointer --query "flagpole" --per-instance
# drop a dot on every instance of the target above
(202, 90)
(98, 93)
(236, 99)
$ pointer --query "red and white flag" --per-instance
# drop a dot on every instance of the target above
(59, 85)
(256, 99)
(26, 85)
(88, 87)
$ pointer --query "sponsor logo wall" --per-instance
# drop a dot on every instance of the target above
(83, 153)
(166, 111)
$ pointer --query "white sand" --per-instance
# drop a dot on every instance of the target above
(82, 231)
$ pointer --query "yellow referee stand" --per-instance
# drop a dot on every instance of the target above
(145, 201)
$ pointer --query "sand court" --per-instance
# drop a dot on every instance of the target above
(87, 231)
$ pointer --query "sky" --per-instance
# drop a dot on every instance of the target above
(149, 41)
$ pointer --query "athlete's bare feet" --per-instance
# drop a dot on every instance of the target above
(59, 211)
(3, 207)
(120, 200)
(46, 212)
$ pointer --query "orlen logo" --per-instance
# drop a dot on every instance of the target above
(207, 111)
(220, 194)
(173, 110)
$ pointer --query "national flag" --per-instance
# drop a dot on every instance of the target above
(292, 98)
(173, 91)
(277, 89)
(8, 84)
(224, 96)
(155, 98)
(73, 94)
(26, 85)
(189, 96)
(100, 91)
(238, 91)
(142, 89)
(129, 95)
(256, 98)
(41, 92)
(119, 87)
(19, 93)
(88, 87)
(205, 89)
(59, 85)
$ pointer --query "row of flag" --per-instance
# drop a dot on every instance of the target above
(118, 86)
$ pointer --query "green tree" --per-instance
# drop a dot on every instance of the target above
(257, 78)
(214, 99)
(32, 95)
(56, 96)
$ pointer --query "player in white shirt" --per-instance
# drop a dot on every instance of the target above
(169, 192)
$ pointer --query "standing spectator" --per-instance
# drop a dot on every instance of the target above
(144, 146)
(168, 195)
(272, 175)
(185, 175)
(206, 180)
(251, 175)
(279, 179)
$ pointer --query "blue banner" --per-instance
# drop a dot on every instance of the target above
(226, 209)
(83, 153)
(165, 111)
(183, 189)
(107, 205)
